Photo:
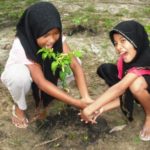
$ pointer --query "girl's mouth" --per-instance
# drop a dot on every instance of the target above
(48, 46)
(123, 54)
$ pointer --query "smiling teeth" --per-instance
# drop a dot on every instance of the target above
(48, 46)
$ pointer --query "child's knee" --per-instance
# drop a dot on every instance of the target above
(138, 86)
(135, 89)
(106, 69)
(101, 69)
(16, 77)
(21, 81)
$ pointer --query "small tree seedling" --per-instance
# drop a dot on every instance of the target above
(61, 61)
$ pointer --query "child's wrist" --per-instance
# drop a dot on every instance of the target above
(101, 110)
(87, 100)
(87, 111)
(85, 96)
(82, 104)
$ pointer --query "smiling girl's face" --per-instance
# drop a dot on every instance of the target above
(49, 39)
(124, 48)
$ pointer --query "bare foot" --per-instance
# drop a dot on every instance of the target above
(145, 132)
(18, 118)
(39, 114)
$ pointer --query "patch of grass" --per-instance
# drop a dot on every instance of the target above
(105, 45)
(86, 18)
(85, 138)
(15, 15)
(147, 28)
(108, 20)
(140, 13)
(108, 23)
(90, 8)
(57, 107)
(10, 11)
(123, 12)
(72, 135)
(29, 2)
(146, 11)
(137, 140)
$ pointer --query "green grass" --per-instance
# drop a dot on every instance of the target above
(57, 107)
(10, 12)
(136, 140)
(147, 28)
(86, 16)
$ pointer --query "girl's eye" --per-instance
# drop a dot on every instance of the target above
(115, 43)
(45, 35)
(123, 40)
(56, 33)
(50, 34)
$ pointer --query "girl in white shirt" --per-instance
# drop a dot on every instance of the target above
(40, 26)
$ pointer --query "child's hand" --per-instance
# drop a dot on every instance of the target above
(87, 100)
(87, 117)
(97, 113)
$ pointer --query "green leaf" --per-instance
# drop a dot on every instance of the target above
(40, 51)
(68, 70)
(54, 66)
(62, 67)
(62, 75)
(66, 62)
(78, 53)
(53, 55)
(44, 55)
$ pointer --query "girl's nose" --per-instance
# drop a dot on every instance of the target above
(51, 39)
(119, 47)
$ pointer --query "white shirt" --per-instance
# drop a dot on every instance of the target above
(17, 54)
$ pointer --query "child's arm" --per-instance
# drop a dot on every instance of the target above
(50, 88)
(113, 93)
(79, 76)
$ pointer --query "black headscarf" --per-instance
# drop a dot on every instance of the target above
(135, 33)
(37, 20)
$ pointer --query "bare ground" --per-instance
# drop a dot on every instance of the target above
(62, 129)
